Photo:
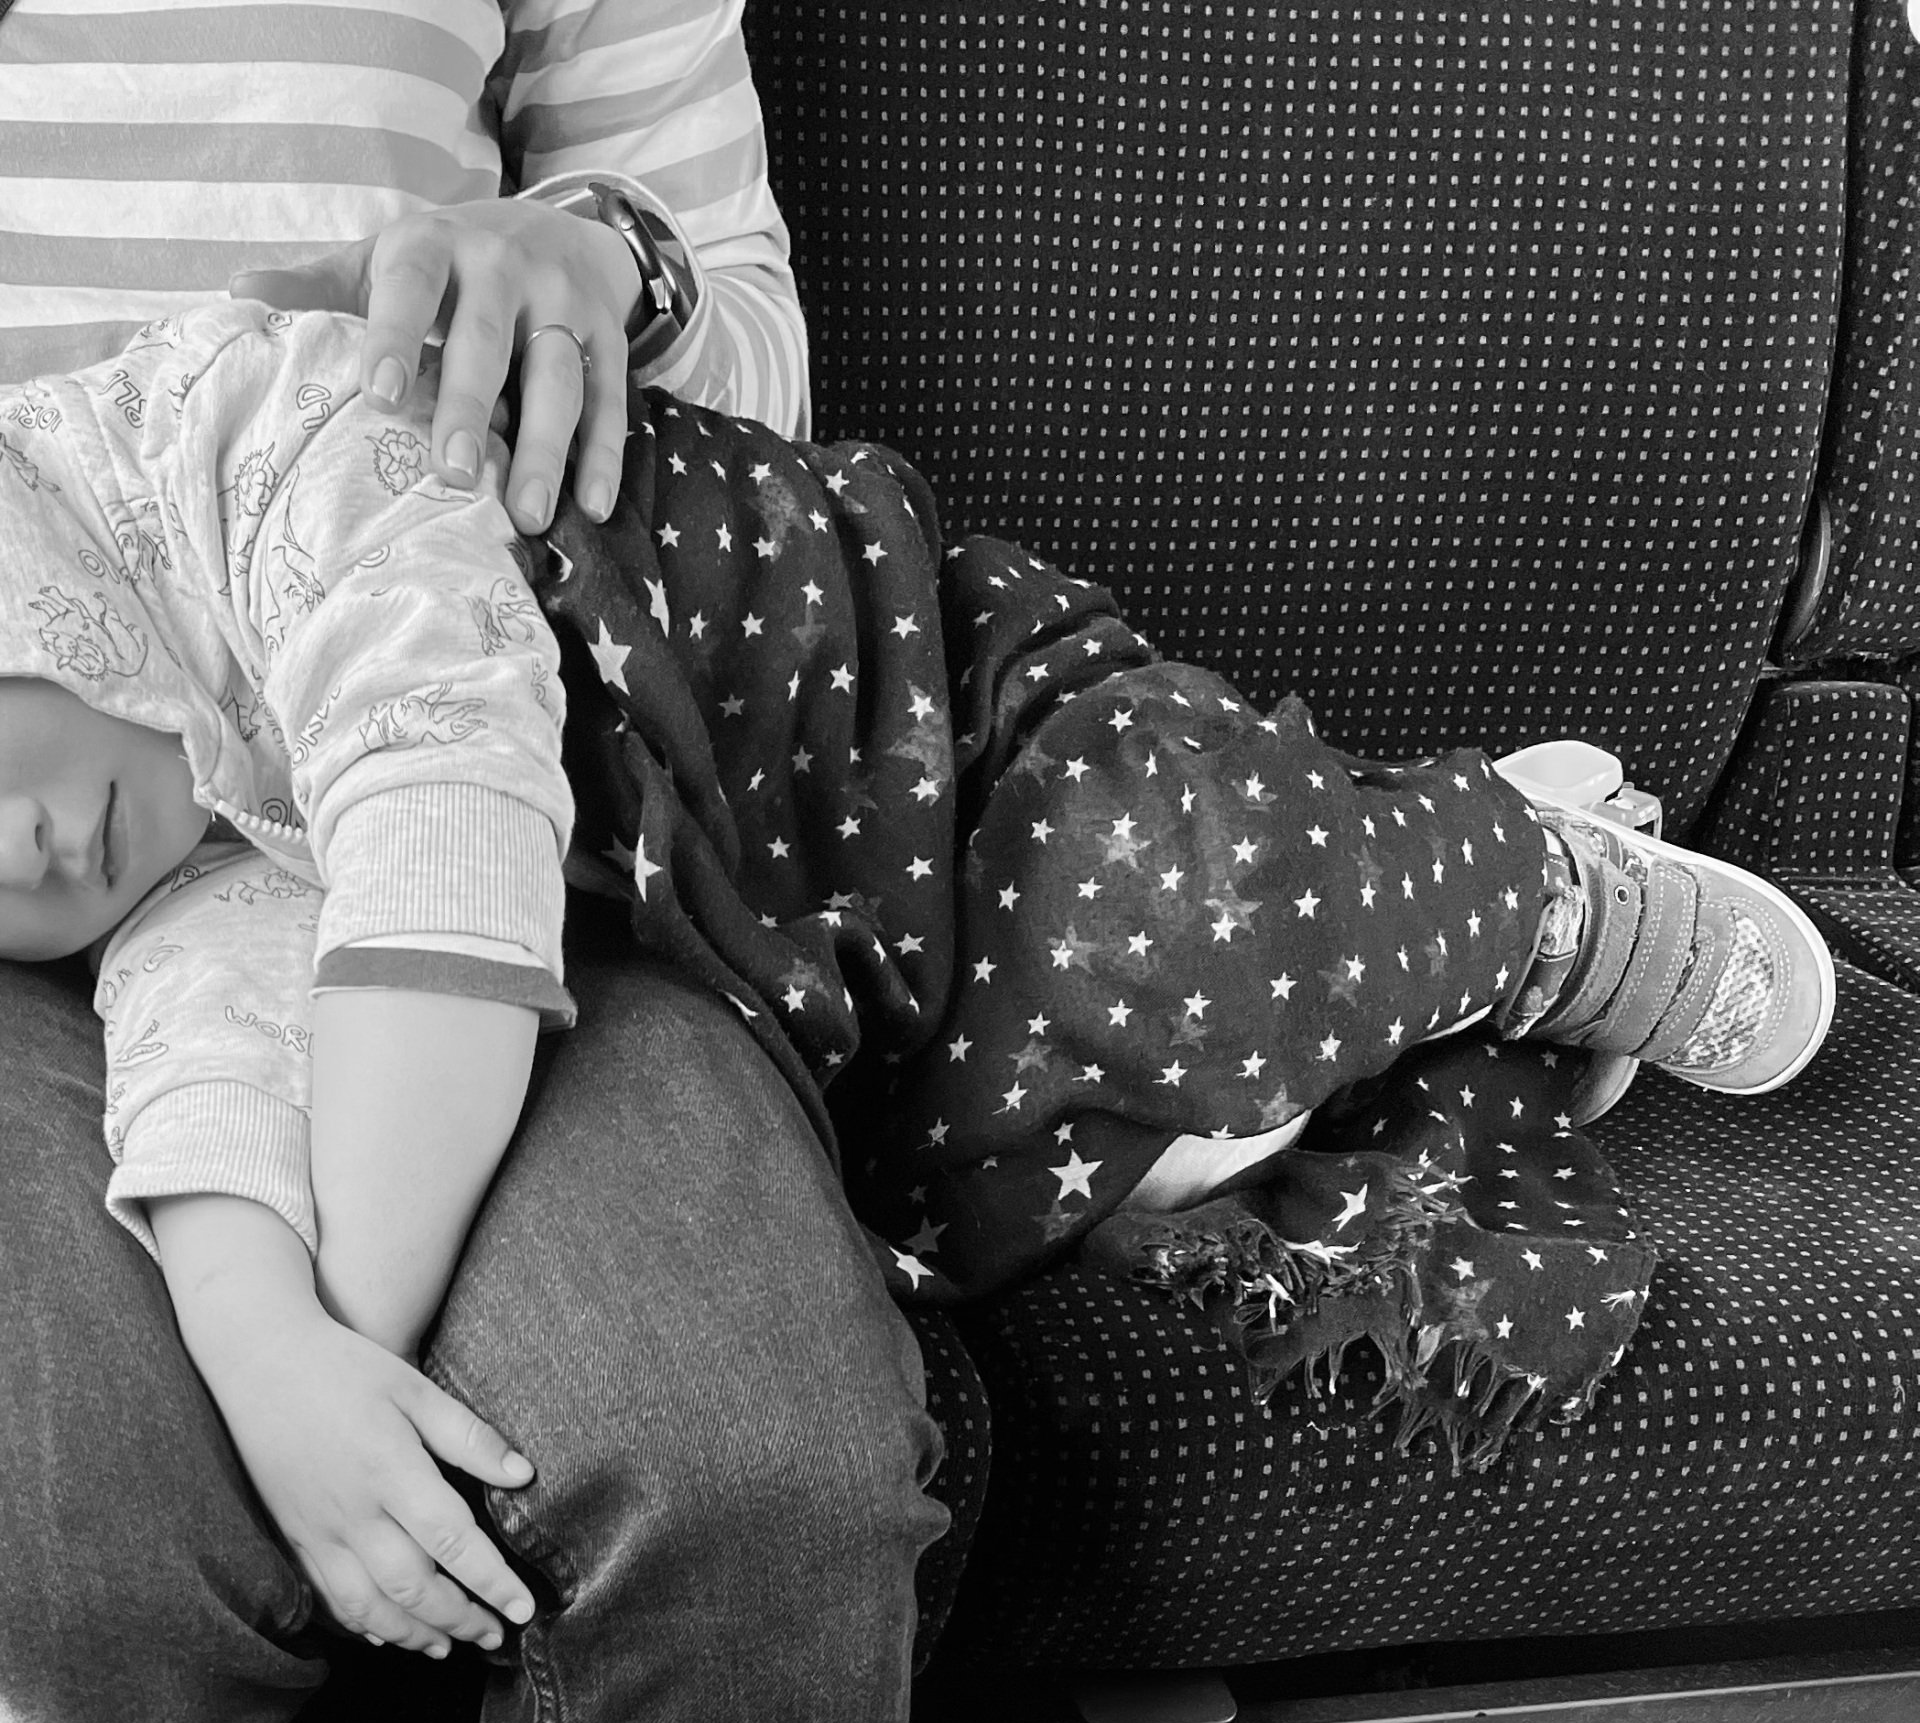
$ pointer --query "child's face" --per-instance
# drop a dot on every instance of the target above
(93, 812)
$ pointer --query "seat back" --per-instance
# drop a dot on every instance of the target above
(1459, 368)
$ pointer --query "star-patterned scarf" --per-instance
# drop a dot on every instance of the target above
(1015, 904)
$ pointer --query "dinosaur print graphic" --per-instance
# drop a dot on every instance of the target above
(428, 716)
(95, 643)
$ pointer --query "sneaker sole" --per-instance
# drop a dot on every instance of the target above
(1810, 941)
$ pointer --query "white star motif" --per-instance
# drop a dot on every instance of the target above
(610, 658)
(751, 625)
(1137, 944)
(1282, 986)
(1330, 1048)
(724, 534)
(1076, 770)
(911, 1266)
(1576, 1319)
(1009, 896)
(1122, 718)
(1395, 1030)
(1462, 1268)
(1041, 831)
(1503, 1327)
(1532, 1259)
(643, 870)
(668, 535)
(778, 848)
(837, 482)
(1076, 1175)
(919, 868)
(1010, 1101)
(1170, 880)
(1306, 905)
(1353, 1204)
(1317, 837)
(764, 547)
(874, 552)
(983, 970)
(1243, 851)
(1118, 1013)
(905, 625)
(1252, 1065)
(793, 999)
(957, 1050)
(1170, 1075)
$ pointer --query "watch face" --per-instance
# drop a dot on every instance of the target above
(667, 275)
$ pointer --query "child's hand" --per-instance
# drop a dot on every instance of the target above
(336, 1434)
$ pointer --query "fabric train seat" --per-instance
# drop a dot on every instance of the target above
(1464, 370)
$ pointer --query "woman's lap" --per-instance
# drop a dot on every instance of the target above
(664, 1304)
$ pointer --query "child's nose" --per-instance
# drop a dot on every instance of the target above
(26, 842)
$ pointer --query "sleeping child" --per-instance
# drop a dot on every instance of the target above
(1057, 941)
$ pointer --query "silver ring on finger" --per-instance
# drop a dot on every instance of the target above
(572, 334)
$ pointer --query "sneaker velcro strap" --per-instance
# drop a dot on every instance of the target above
(1713, 937)
(1606, 946)
(1662, 952)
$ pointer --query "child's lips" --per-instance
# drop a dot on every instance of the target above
(112, 838)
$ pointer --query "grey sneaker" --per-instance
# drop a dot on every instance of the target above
(1683, 960)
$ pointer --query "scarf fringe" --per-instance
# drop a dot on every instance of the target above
(1288, 1306)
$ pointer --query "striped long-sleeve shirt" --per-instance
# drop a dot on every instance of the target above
(150, 148)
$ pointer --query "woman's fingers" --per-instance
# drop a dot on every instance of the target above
(603, 426)
(473, 371)
(555, 378)
(335, 282)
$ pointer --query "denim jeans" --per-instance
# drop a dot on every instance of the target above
(664, 1303)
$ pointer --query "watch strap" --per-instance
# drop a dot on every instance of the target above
(665, 304)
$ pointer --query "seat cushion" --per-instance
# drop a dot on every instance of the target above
(1755, 1456)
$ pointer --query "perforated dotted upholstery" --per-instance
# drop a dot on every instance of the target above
(1756, 1456)
(1460, 371)
(1815, 802)
(1870, 476)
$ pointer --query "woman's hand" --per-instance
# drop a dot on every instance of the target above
(488, 275)
(337, 1435)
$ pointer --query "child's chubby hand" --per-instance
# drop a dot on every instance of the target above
(337, 1435)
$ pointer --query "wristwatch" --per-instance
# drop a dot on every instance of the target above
(665, 305)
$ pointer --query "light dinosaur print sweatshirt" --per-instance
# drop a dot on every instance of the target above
(366, 693)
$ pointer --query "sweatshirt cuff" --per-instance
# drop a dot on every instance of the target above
(444, 858)
(216, 1138)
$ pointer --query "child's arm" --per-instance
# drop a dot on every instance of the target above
(414, 1098)
(337, 1434)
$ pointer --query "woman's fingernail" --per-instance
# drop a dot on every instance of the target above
(533, 504)
(437, 1651)
(520, 1610)
(599, 499)
(489, 1641)
(463, 454)
(374, 1639)
(518, 1464)
(390, 380)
